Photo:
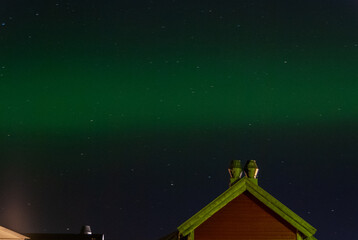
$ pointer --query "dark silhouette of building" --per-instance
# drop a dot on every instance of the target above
(85, 234)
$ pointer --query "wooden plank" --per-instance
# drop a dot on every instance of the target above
(245, 218)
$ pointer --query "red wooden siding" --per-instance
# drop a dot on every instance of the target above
(245, 218)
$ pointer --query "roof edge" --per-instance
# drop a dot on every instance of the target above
(18, 235)
(280, 209)
(211, 208)
(235, 190)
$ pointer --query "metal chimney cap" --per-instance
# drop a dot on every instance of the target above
(86, 230)
(235, 164)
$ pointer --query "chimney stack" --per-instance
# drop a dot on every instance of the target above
(251, 170)
(86, 230)
(235, 171)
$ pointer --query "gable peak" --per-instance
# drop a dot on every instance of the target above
(236, 171)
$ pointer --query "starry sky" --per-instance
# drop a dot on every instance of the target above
(125, 115)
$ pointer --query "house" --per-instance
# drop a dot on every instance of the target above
(8, 234)
(85, 234)
(244, 212)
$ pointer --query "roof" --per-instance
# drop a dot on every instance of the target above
(247, 184)
(6, 233)
(64, 236)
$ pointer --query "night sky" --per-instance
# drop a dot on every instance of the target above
(125, 115)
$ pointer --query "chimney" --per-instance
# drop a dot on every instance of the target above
(251, 170)
(235, 171)
(86, 230)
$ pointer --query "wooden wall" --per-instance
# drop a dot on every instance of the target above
(245, 218)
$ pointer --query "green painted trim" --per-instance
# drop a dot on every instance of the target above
(238, 188)
(299, 237)
(281, 209)
(212, 208)
(191, 235)
(253, 180)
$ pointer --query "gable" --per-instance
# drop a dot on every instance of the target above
(245, 218)
(243, 185)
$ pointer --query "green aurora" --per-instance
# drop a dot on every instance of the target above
(260, 65)
(144, 89)
(94, 95)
